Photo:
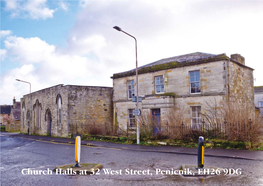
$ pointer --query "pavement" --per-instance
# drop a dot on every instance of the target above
(222, 153)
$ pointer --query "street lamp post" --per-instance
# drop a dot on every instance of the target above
(30, 102)
(137, 82)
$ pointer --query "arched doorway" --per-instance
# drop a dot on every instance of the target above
(48, 119)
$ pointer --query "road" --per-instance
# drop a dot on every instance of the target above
(18, 154)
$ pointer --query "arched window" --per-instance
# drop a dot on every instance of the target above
(37, 108)
(59, 103)
(23, 115)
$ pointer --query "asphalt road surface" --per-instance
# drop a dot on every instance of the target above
(30, 162)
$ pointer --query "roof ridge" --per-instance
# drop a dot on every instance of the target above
(180, 60)
(149, 64)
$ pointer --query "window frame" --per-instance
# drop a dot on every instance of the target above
(195, 82)
(130, 113)
(160, 84)
(198, 117)
(130, 90)
(260, 104)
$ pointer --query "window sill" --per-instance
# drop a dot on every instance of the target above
(195, 93)
(159, 93)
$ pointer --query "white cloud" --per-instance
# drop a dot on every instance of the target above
(10, 87)
(11, 4)
(163, 29)
(4, 33)
(2, 54)
(38, 9)
(28, 50)
(43, 66)
(83, 3)
(63, 5)
(34, 9)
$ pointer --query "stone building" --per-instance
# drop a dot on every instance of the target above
(187, 82)
(14, 124)
(4, 112)
(259, 99)
(64, 110)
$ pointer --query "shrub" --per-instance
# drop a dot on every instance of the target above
(161, 135)
(146, 125)
(2, 128)
(94, 130)
(192, 135)
(123, 139)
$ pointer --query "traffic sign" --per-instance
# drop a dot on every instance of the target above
(136, 112)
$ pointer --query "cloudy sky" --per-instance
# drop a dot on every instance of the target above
(50, 42)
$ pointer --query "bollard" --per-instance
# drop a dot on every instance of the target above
(201, 151)
(77, 150)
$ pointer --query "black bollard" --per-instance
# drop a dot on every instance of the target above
(201, 151)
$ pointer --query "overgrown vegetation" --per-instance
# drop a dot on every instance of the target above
(232, 125)
(234, 121)
(214, 143)
(223, 126)
(2, 128)
(92, 129)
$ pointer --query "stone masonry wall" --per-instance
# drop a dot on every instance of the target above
(176, 81)
(80, 105)
(183, 103)
(88, 107)
(241, 87)
(47, 99)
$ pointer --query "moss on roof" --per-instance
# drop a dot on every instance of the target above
(169, 65)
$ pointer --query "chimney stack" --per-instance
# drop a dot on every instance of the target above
(238, 58)
(14, 102)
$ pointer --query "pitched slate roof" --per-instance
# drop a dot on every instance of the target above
(174, 62)
(258, 89)
(5, 109)
(17, 105)
(16, 113)
(182, 58)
